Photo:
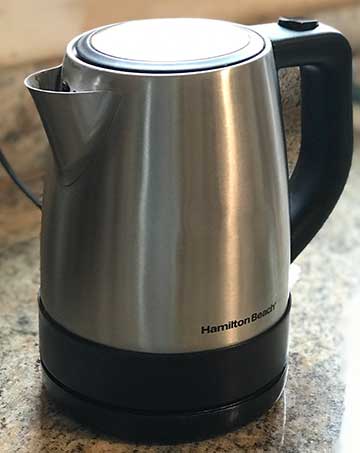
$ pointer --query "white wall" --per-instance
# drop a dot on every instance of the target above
(38, 29)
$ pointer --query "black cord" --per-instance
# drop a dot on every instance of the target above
(9, 170)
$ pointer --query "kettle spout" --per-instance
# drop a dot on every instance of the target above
(76, 123)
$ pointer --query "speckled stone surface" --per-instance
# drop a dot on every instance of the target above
(316, 412)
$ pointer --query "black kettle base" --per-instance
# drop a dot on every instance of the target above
(166, 428)
(161, 397)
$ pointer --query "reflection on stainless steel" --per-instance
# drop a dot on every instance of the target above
(168, 44)
(179, 219)
(164, 40)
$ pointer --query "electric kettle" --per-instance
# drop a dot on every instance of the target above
(169, 220)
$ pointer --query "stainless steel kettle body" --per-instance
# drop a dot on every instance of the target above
(178, 221)
(166, 226)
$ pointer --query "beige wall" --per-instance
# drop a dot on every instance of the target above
(39, 29)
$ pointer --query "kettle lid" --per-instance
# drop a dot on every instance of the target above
(169, 45)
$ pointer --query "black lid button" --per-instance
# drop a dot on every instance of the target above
(298, 24)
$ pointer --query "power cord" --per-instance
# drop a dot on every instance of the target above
(9, 170)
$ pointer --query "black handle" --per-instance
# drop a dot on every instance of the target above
(325, 60)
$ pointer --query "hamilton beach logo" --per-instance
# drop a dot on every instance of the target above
(238, 322)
